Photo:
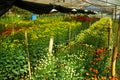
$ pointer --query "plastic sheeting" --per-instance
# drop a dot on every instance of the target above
(105, 2)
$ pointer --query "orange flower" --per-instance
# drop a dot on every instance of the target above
(95, 71)
(99, 50)
(113, 78)
(90, 69)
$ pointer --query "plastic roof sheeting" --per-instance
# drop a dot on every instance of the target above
(94, 8)
(106, 5)
(101, 5)
(105, 2)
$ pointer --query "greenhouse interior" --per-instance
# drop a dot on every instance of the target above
(59, 39)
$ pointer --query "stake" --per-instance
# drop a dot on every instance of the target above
(109, 36)
(115, 51)
(12, 22)
(69, 35)
(27, 51)
(115, 11)
(12, 25)
(114, 60)
(51, 44)
(112, 13)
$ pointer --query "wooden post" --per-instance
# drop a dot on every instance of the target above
(114, 61)
(109, 36)
(51, 44)
(115, 51)
(12, 23)
(115, 12)
(27, 51)
(69, 35)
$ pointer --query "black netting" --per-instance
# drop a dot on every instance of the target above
(5, 5)
(63, 9)
(37, 8)
(34, 7)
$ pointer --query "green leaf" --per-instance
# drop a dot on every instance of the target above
(15, 72)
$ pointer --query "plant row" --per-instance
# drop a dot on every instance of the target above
(13, 59)
(87, 57)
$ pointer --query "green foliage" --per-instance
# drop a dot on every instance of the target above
(96, 35)
(62, 66)
(76, 60)
(13, 61)
(2, 28)
(72, 56)
(13, 51)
